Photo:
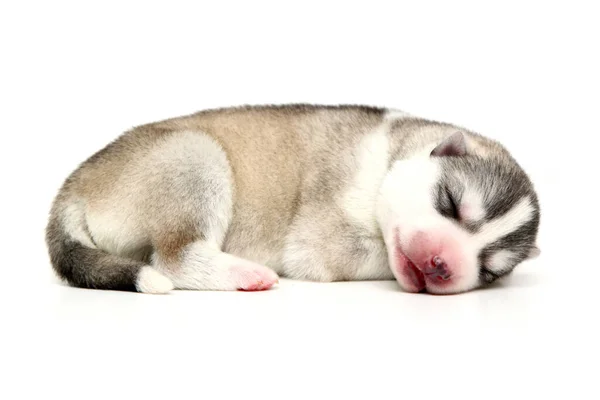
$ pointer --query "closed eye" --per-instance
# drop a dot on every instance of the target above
(453, 209)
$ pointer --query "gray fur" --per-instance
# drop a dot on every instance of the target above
(504, 183)
(255, 182)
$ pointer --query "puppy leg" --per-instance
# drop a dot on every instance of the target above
(187, 212)
(202, 265)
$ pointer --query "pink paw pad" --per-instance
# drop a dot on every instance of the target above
(253, 277)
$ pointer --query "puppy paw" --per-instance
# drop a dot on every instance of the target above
(253, 277)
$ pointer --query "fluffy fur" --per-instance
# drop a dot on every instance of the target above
(233, 198)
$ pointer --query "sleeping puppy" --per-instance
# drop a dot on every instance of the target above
(230, 199)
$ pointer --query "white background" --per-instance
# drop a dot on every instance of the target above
(75, 75)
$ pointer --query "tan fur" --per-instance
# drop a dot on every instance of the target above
(283, 172)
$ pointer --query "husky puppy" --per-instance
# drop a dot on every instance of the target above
(230, 199)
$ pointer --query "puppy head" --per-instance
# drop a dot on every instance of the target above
(457, 216)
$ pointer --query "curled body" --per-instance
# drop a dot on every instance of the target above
(233, 198)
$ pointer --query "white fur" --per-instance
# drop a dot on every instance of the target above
(199, 268)
(405, 195)
(471, 208)
(187, 148)
(150, 280)
(358, 202)
(204, 267)
(406, 202)
(302, 261)
(516, 217)
(372, 155)
(118, 230)
(114, 231)
(73, 219)
(500, 260)
(261, 253)
(375, 264)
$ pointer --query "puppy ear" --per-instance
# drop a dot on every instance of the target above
(533, 252)
(453, 146)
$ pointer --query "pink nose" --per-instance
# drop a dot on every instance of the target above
(437, 268)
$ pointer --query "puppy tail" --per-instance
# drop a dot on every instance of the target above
(76, 259)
